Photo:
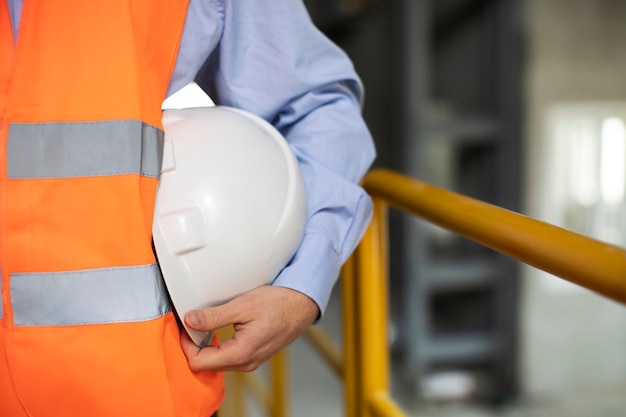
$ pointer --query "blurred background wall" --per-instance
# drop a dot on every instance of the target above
(574, 72)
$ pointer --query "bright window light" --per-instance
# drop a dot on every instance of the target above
(583, 163)
(613, 161)
(582, 182)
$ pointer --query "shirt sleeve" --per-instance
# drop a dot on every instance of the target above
(272, 61)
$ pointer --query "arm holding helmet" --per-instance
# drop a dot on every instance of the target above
(273, 62)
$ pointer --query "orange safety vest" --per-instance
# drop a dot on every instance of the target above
(86, 327)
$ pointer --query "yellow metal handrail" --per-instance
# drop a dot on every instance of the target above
(595, 265)
(592, 264)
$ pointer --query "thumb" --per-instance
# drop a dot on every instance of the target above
(211, 318)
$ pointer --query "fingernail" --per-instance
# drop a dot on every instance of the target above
(195, 319)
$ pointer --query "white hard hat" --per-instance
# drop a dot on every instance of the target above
(230, 206)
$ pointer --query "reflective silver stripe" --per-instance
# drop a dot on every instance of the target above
(97, 296)
(81, 149)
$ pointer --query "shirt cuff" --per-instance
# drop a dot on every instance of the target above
(313, 270)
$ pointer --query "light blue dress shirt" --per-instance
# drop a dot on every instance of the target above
(266, 57)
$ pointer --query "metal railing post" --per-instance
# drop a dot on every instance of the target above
(280, 378)
(372, 309)
(350, 352)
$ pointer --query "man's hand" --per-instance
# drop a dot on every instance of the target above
(265, 320)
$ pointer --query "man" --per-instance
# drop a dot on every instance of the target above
(86, 328)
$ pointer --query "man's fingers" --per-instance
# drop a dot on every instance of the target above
(230, 355)
(209, 319)
(265, 320)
